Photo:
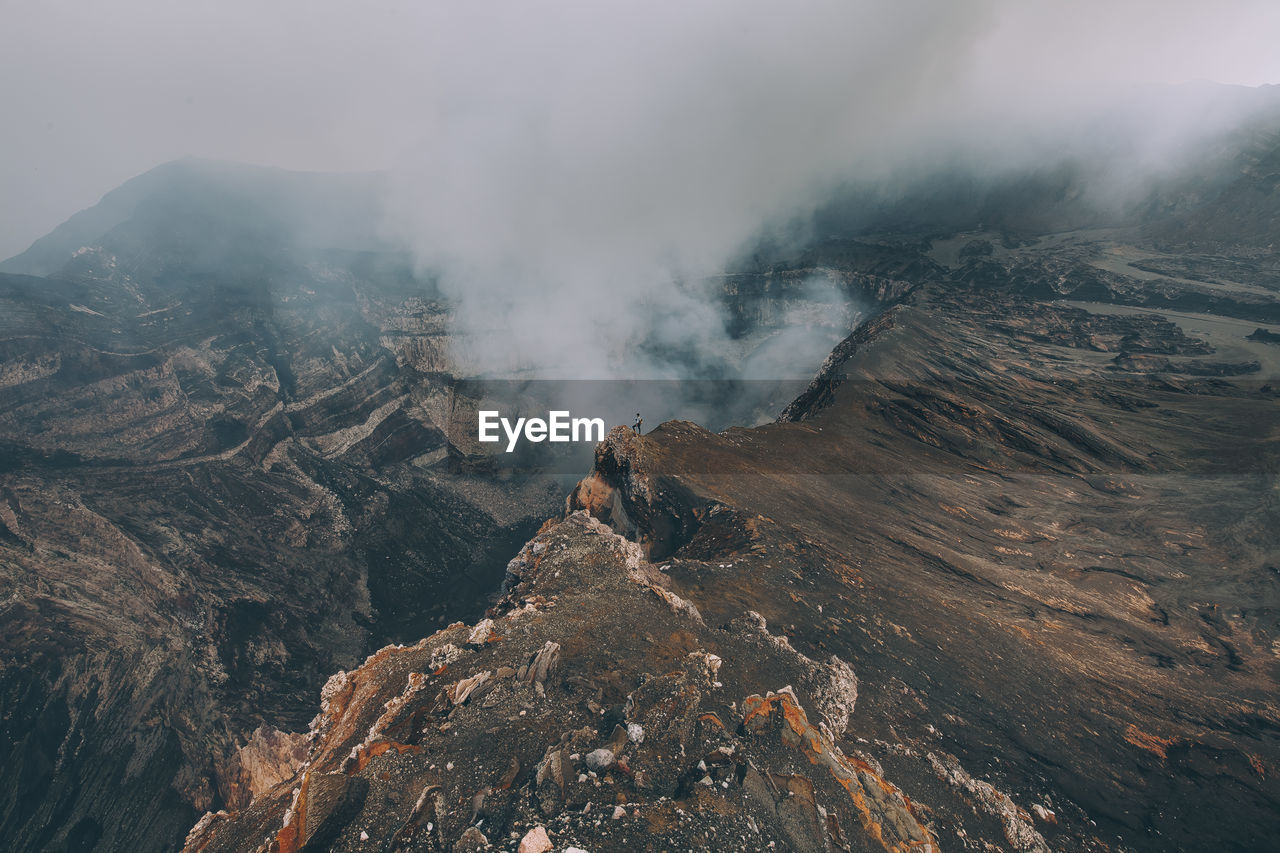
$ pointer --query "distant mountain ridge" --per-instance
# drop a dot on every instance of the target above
(315, 209)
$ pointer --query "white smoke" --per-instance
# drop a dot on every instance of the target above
(575, 167)
(582, 182)
(588, 165)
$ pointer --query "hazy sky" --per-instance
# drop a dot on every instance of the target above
(92, 93)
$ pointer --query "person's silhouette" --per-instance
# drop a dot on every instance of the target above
(635, 427)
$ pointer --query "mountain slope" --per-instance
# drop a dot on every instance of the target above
(318, 210)
(217, 486)
(1041, 539)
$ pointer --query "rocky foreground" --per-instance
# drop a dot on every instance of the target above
(483, 733)
(993, 582)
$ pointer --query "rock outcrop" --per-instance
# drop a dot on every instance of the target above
(595, 714)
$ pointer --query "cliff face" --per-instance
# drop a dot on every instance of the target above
(224, 473)
(990, 582)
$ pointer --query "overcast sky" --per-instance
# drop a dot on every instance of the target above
(93, 93)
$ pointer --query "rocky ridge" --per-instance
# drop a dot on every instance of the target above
(689, 738)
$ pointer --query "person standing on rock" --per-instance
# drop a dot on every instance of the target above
(635, 427)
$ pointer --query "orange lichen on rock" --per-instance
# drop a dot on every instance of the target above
(348, 696)
(594, 494)
(292, 835)
(955, 510)
(367, 753)
(713, 719)
(1149, 742)
(885, 811)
